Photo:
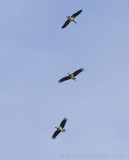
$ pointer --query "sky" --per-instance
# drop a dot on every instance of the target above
(35, 53)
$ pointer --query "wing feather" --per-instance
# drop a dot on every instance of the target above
(78, 71)
(55, 134)
(76, 14)
(65, 24)
(64, 79)
(63, 122)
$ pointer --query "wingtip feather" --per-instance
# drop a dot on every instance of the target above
(65, 119)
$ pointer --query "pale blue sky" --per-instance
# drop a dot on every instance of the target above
(35, 53)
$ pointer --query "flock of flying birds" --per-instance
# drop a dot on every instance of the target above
(70, 76)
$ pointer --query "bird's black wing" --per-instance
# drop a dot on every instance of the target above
(63, 122)
(76, 14)
(65, 24)
(78, 71)
(64, 79)
(55, 134)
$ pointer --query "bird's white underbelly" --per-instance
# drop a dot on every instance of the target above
(72, 76)
(60, 129)
(71, 18)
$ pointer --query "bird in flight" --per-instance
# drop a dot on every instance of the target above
(71, 18)
(60, 128)
(71, 76)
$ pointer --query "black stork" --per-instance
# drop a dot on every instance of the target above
(71, 76)
(71, 18)
(60, 128)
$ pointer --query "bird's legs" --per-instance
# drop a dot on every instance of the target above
(74, 21)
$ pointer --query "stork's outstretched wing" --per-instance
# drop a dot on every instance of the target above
(76, 14)
(64, 79)
(78, 71)
(55, 134)
(65, 24)
(63, 122)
